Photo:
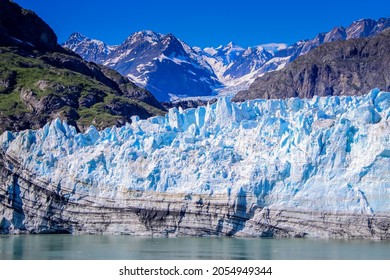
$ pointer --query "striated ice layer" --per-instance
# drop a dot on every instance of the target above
(323, 154)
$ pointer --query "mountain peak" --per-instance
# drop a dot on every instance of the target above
(147, 33)
(363, 20)
(77, 36)
(169, 37)
(96, 50)
(144, 35)
(232, 46)
(362, 28)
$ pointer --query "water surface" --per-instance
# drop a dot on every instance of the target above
(93, 247)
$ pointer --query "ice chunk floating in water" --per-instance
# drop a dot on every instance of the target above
(323, 154)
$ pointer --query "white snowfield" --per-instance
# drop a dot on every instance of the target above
(324, 154)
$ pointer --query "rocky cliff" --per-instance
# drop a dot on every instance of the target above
(23, 27)
(349, 67)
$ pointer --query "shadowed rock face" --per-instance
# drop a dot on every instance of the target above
(19, 26)
(349, 67)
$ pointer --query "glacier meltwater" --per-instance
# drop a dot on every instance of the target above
(317, 167)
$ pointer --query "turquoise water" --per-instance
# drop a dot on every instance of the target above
(92, 247)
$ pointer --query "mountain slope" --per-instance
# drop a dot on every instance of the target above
(164, 65)
(169, 68)
(349, 67)
(23, 27)
(91, 50)
(231, 63)
(40, 81)
(284, 55)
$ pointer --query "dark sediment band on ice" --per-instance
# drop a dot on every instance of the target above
(29, 205)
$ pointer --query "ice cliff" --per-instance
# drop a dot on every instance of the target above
(325, 161)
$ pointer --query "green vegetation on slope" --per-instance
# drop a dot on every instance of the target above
(36, 87)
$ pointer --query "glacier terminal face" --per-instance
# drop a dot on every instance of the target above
(293, 167)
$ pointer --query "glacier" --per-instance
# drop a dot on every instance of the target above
(294, 167)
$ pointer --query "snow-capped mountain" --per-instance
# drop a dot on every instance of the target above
(163, 64)
(347, 67)
(91, 50)
(293, 166)
(170, 68)
(232, 62)
(358, 29)
(284, 55)
(237, 67)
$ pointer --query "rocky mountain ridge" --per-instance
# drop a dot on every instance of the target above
(167, 71)
(348, 67)
(163, 64)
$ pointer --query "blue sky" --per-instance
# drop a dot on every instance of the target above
(203, 23)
